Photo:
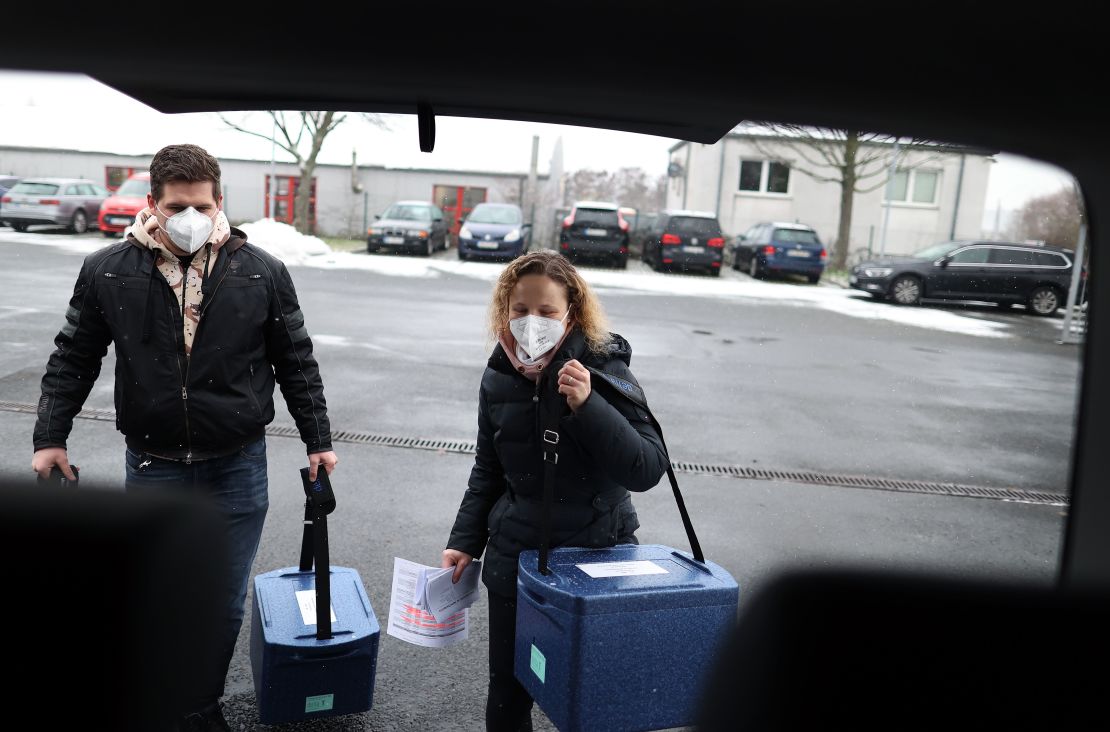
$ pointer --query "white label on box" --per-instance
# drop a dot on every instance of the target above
(307, 600)
(621, 569)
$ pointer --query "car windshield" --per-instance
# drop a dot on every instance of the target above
(408, 212)
(134, 187)
(694, 226)
(508, 215)
(595, 217)
(796, 236)
(936, 251)
(35, 189)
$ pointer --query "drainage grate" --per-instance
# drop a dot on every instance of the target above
(730, 471)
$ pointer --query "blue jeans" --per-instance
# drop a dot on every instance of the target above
(237, 486)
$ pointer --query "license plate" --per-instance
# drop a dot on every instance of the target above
(797, 253)
(596, 232)
(393, 240)
(487, 245)
(119, 220)
(694, 250)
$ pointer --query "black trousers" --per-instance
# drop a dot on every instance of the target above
(508, 706)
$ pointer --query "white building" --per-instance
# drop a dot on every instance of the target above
(346, 196)
(749, 177)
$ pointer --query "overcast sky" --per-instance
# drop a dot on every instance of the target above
(76, 112)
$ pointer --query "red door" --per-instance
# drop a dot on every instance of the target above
(284, 197)
(457, 202)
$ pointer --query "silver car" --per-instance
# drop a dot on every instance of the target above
(70, 202)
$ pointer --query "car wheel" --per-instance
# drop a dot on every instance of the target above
(110, 234)
(906, 290)
(20, 227)
(715, 272)
(428, 249)
(813, 279)
(80, 222)
(462, 255)
(371, 249)
(622, 262)
(1044, 300)
(736, 261)
(754, 269)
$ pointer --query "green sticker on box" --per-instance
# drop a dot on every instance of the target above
(539, 664)
(320, 703)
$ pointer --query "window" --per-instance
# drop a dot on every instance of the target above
(1011, 257)
(975, 255)
(764, 176)
(796, 236)
(70, 191)
(915, 186)
(695, 226)
(35, 189)
(1048, 259)
(602, 217)
(86, 190)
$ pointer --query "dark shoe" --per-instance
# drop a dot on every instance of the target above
(209, 719)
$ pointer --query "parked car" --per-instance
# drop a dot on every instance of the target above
(120, 209)
(6, 183)
(1006, 273)
(684, 240)
(595, 230)
(68, 202)
(494, 231)
(416, 226)
(780, 248)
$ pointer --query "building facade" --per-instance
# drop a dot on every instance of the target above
(345, 197)
(935, 194)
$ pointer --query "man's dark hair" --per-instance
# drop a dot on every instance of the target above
(187, 163)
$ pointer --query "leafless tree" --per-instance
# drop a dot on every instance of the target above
(1053, 218)
(302, 135)
(848, 158)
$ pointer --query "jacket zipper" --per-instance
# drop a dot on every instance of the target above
(254, 397)
(188, 358)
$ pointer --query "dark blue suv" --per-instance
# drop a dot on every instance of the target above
(780, 248)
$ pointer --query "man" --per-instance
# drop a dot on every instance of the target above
(203, 325)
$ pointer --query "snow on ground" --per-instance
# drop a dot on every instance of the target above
(296, 249)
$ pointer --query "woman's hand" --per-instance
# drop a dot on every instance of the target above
(458, 560)
(574, 382)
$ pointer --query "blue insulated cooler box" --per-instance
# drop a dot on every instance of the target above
(309, 663)
(298, 677)
(620, 638)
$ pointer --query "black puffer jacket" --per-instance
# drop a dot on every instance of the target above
(605, 450)
(251, 334)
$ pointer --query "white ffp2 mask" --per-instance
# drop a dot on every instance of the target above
(189, 229)
(536, 334)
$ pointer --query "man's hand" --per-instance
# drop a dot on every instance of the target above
(328, 459)
(458, 560)
(47, 458)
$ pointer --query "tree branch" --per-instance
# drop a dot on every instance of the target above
(237, 128)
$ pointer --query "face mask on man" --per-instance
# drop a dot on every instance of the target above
(536, 334)
(189, 229)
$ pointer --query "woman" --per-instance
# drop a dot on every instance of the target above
(549, 328)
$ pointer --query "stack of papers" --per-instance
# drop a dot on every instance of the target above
(426, 608)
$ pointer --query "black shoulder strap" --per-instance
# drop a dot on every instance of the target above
(633, 393)
(622, 389)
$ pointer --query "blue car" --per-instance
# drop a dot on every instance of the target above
(494, 231)
(780, 248)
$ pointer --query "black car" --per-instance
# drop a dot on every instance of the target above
(416, 226)
(595, 231)
(685, 240)
(1037, 276)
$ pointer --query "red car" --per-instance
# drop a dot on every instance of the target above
(120, 209)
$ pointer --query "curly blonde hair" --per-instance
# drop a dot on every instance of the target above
(585, 308)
